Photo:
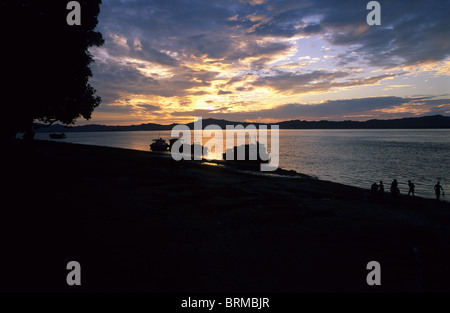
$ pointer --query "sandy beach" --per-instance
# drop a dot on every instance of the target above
(139, 222)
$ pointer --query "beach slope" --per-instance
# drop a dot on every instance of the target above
(138, 222)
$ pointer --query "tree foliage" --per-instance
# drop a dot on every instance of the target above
(46, 62)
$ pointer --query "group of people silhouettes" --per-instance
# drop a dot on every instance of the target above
(378, 190)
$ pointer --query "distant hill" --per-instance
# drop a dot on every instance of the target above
(58, 128)
(434, 121)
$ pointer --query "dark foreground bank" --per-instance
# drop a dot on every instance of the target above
(136, 222)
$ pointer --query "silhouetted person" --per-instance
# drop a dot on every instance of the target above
(374, 189)
(411, 187)
(381, 190)
(394, 189)
(437, 190)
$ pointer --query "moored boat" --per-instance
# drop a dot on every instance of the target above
(159, 145)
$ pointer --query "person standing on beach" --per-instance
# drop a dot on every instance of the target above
(394, 189)
(374, 189)
(437, 190)
(381, 190)
(411, 188)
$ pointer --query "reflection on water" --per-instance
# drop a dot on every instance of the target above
(354, 157)
(212, 164)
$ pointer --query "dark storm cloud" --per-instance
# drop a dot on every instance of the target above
(312, 29)
(192, 28)
(216, 47)
(147, 107)
(128, 108)
(337, 108)
(411, 32)
(196, 27)
(421, 25)
(146, 52)
(315, 81)
(283, 81)
(116, 80)
(244, 88)
(118, 108)
(253, 49)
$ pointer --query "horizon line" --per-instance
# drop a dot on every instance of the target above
(242, 122)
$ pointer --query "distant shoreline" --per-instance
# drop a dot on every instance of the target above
(425, 122)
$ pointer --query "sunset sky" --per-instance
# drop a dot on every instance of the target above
(267, 61)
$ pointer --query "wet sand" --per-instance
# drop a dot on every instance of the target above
(139, 222)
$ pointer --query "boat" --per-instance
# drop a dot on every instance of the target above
(159, 145)
(58, 136)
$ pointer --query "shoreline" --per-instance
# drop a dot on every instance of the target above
(164, 226)
(355, 170)
(252, 169)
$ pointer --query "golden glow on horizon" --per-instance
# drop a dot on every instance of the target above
(201, 85)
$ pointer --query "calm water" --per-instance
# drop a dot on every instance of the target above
(353, 157)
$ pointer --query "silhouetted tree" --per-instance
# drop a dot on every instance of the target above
(46, 62)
